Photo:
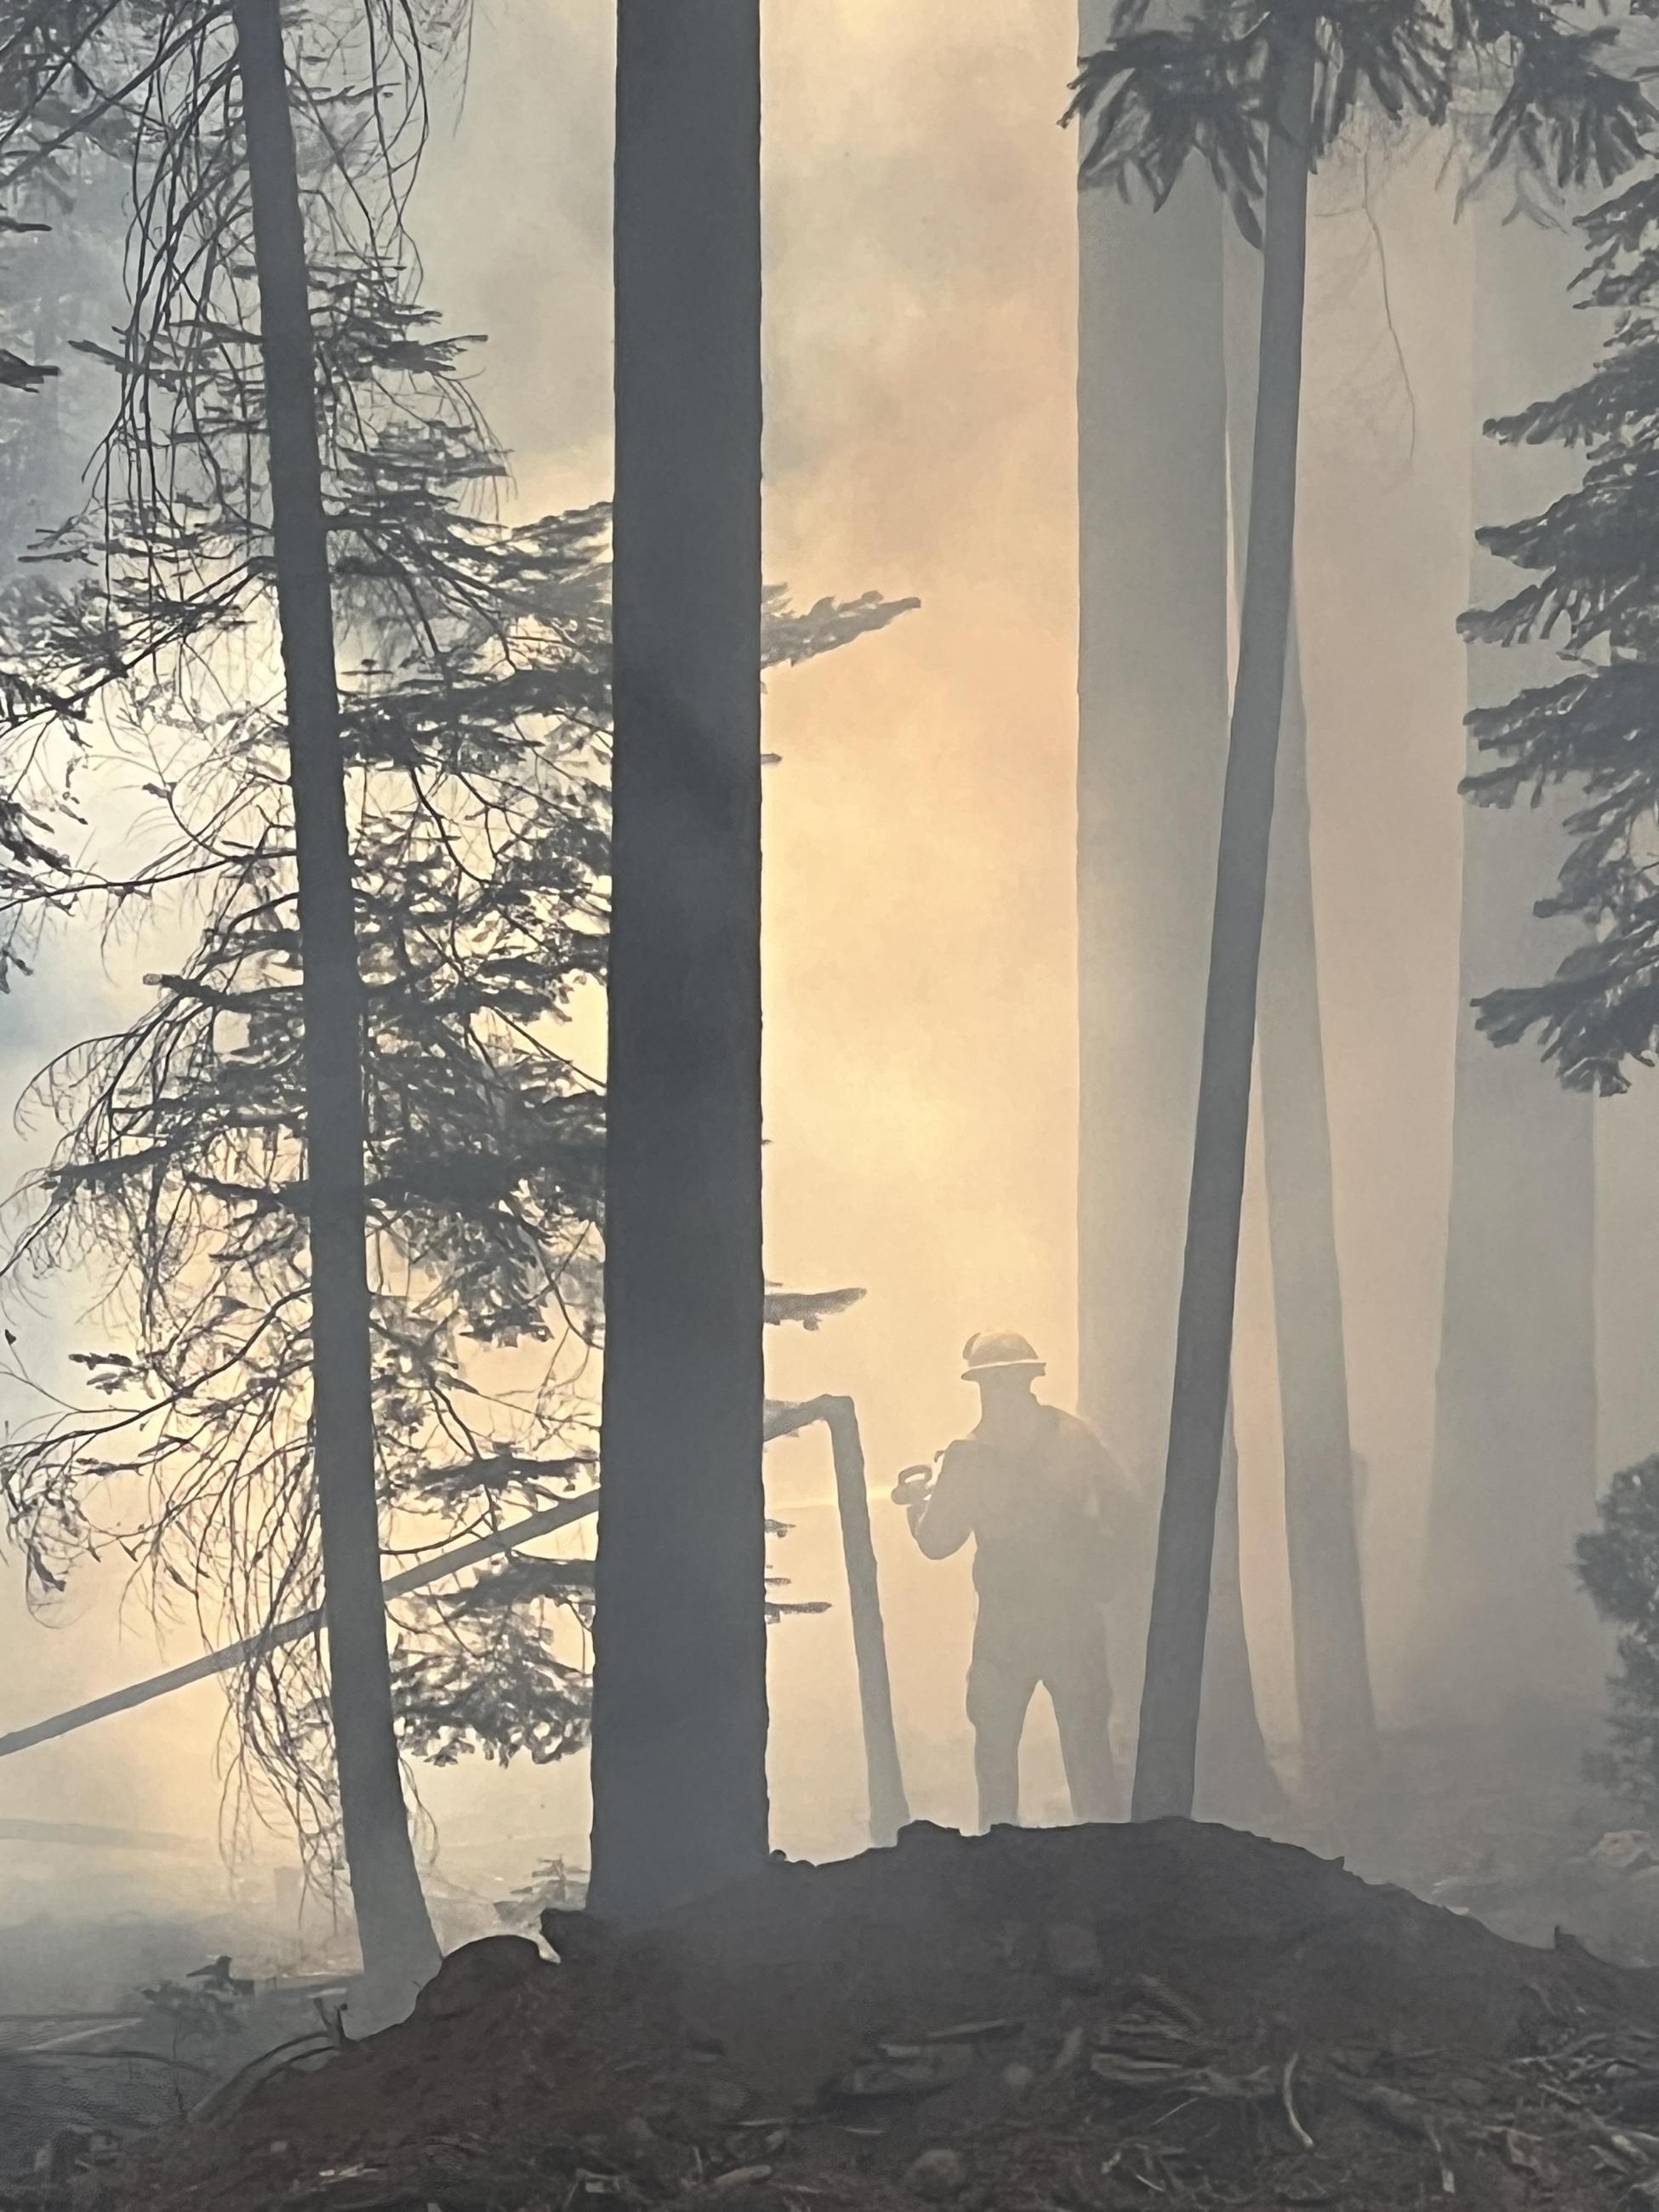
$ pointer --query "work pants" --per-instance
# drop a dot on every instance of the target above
(1015, 1653)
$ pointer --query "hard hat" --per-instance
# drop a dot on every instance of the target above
(996, 1351)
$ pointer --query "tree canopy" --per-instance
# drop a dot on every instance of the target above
(1593, 590)
(1153, 100)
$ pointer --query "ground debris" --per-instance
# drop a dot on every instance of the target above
(1226, 2023)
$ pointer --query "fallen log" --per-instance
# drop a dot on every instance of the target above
(293, 1632)
(889, 1809)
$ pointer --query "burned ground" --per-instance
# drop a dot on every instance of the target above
(1070, 2020)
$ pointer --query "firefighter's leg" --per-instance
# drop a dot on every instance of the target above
(1001, 1685)
(1078, 1682)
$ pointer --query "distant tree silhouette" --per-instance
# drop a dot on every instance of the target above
(1582, 743)
(1256, 96)
(1500, 1630)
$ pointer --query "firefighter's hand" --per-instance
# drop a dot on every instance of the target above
(914, 1487)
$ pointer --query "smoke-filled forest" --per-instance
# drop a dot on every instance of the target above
(829, 1233)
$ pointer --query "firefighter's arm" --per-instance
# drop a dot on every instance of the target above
(943, 1521)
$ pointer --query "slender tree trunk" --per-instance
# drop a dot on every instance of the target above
(1151, 754)
(1236, 1781)
(398, 1947)
(889, 1809)
(679, 1692)
(1164, 1768)
(1503, 1629)
(1327, 1612)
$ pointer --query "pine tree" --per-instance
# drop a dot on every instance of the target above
(1594, 592)
(399, 1950)
(56, 236)
(474, 731)
(1618, 1567)
(479, 797)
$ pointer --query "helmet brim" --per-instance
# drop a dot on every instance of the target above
(1005, 1367)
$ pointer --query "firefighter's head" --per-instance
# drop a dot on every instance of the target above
(1002, 1364)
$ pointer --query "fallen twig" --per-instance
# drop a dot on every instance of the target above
(240, 2086)
(1287, 2083)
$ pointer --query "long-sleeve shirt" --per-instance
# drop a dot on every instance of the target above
(1042, 1511)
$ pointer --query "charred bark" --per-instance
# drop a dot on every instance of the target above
(679, 1692)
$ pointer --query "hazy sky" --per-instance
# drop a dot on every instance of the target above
(921, 1077)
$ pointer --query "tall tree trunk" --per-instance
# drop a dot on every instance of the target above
(1502, 1626)
(1327, 1610)
(1164, 1768)
(1152, 722)
(398, 1948)
(1236, 1781)
(679, 1692)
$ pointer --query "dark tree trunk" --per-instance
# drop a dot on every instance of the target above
(1236, 1780)
(1151, 754)
(679, 1693)
(1164, 1769)
(398, 1948)
(1504, 1628)
(1327, 1612)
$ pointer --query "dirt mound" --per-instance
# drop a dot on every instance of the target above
(1083, 2019)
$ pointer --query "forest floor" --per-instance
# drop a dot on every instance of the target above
(1077, 2019)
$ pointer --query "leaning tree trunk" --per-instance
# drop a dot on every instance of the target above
(1152, 755)
(679, 1688)
(396, 1934)
(889, 1807)
(1164, 1768)
(1327, 1611)
(1235, 1778)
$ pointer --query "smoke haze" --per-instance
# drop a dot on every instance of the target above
(921, 941)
